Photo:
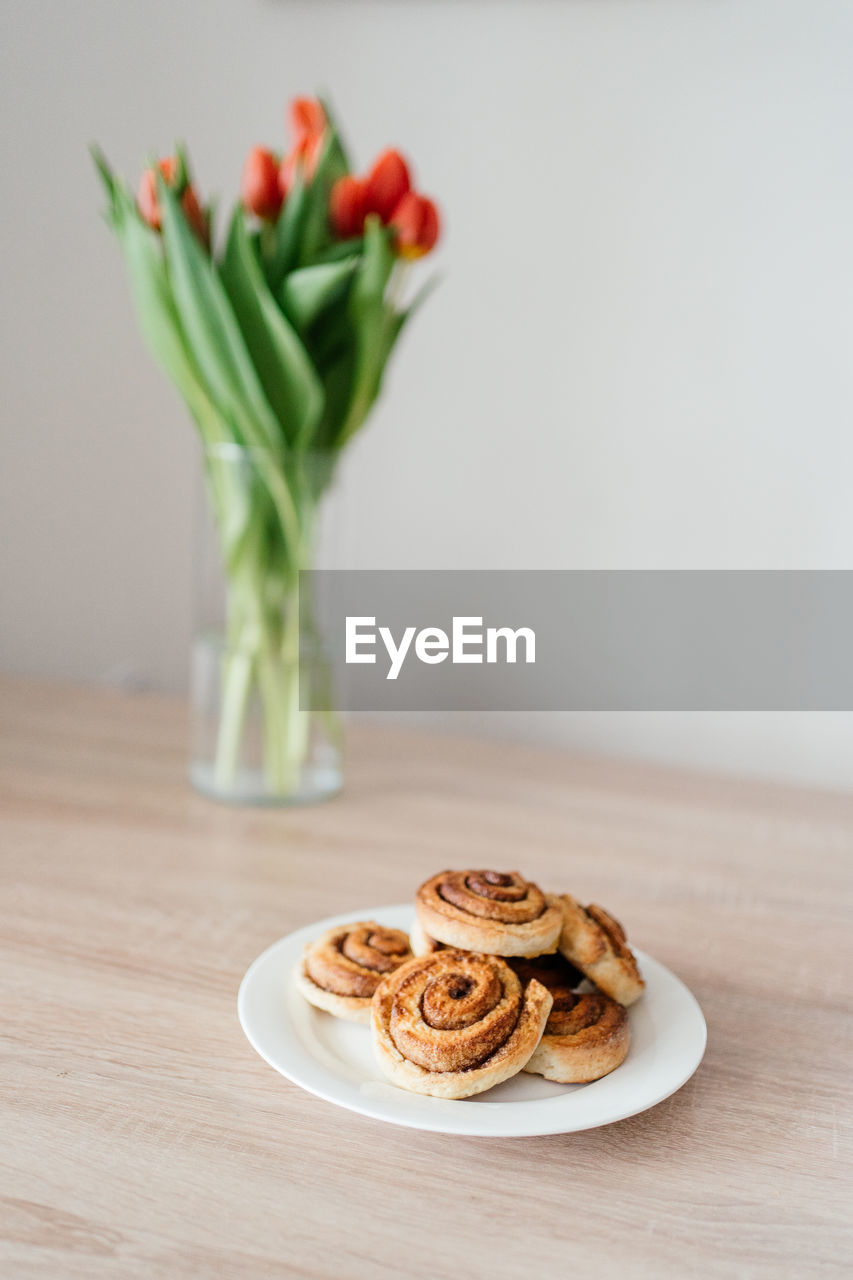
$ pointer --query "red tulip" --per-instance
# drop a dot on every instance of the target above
(149, 206)
(416, 223)
(346, 207)
(259, 189)
(308, 124)
(387, 183)
(307, 119)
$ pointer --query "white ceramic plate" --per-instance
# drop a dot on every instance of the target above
(334, 1059)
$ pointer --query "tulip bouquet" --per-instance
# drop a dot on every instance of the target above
(277, 342)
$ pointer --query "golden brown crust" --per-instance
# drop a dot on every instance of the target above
(497, 913)
(585, 1039)
(453, 1024)
(342, 969)
(595, 942)
(421, 943)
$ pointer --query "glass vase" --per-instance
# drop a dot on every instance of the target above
(262, 520)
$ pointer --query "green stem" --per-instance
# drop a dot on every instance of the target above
(263, 646)
(297, 722)
(236, 689)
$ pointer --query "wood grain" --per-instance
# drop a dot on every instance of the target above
(140, 1136)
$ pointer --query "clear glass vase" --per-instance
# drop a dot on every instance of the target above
(263, 519)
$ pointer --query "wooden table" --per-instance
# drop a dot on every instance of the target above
(140, 1136)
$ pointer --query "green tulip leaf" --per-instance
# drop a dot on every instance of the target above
(158, 317)
(285, 371)
(211, 327)
(337, 382)
(309, 291)
(373, 324)
(316, 233)
(398, 320)
(111, 185)
(161, 330)
(341, 249)
(343, 158)
(376, 266)
(402, 318)
(288, 234)
(220, 351)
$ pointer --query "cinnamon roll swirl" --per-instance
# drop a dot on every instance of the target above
(496, 912)
(593, 941)
(453, 1024)
(586, 1035)
(342, 969)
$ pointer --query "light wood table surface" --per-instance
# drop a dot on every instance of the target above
(140, 1136)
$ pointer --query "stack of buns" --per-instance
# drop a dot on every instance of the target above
(497, 977)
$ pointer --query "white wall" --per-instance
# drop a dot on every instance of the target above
(639, 357)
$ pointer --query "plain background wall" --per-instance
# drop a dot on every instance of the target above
(639, 355)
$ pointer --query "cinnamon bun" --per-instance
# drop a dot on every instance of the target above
(586, 1035)
(453, 1024)
(593, 941)
(342, 969)
(499, 913)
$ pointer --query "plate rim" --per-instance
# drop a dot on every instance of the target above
(438, 1124)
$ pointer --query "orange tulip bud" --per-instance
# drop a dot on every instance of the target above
(416, 223)
(304, 158)
(387, 183)
(146, 196)
(259, 189)
(307, 119)
(149, 206)
(346, 207)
